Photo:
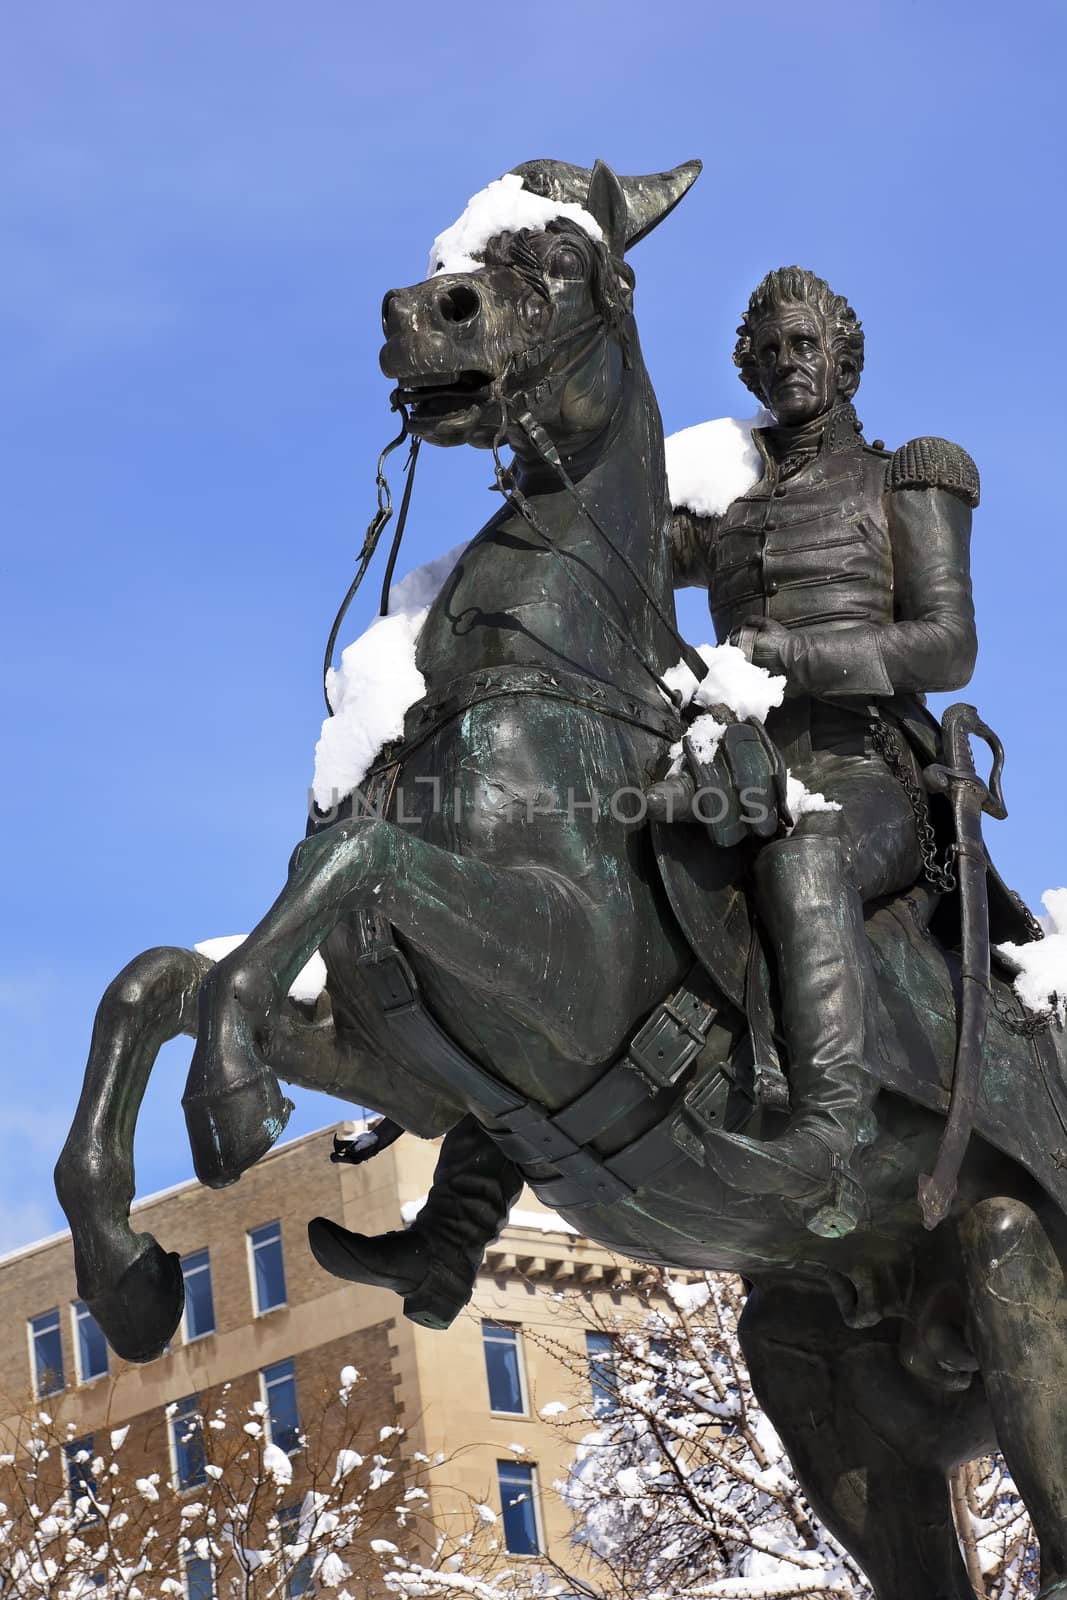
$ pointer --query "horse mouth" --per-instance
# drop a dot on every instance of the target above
(463, 392)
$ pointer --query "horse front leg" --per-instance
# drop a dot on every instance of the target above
(459, 910)
(130, 1283)
(132, 1286)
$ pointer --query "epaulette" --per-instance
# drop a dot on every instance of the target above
(934, 464)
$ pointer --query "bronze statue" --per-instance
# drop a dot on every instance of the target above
(581, 998)
(847, 569)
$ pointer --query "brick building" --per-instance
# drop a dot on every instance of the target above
(262, 1317)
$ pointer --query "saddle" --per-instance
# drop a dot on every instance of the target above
(914, 936)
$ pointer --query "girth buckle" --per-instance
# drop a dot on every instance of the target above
(670, 1041)
(386, 971)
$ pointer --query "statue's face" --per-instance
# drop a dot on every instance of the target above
(795, 364)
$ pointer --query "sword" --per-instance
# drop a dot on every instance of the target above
(970, 796)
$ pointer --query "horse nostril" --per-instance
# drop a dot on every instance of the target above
(387, 307)
(459, 303)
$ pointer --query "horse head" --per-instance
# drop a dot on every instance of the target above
(528, 306)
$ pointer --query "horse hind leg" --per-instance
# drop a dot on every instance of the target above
(871, 1445)
(133, 1287)
(1018, 1327)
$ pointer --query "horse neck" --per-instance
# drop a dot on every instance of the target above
(621, 479)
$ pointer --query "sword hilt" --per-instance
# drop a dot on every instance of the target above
(959, 725)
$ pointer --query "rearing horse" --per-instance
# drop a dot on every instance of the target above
(503, 955)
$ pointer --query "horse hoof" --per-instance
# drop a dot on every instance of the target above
(139, 1315)
(232, 1128)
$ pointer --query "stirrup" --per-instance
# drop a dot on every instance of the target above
(846, 1209)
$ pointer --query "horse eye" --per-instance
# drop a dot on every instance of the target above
(566, 263)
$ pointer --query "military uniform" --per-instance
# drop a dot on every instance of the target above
(859, 562)
(864, 557)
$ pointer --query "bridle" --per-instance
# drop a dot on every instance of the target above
(516, 409)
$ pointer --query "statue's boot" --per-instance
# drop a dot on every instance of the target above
(814, 917)
(434, 1263)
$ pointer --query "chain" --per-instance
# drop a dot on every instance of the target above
(886, 741)
(1027, 1026)
(1033, 927)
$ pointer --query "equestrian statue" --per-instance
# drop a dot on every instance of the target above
(769, 1038)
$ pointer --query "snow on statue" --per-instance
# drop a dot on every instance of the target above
(378, 681)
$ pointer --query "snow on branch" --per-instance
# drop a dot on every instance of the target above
(259, 1519)
(681, 1489)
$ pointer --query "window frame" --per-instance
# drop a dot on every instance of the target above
(38, 1372)
(252, 1247)
(513, 1465)
(187, 1561)
(173, 1417)
(72, 1447)
(605, 1399)
(79, 1313)
(265, 1385)
(194, 1338)
(289, 1518)
(514, 1328)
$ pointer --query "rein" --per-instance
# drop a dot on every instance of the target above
(542, 443)
(377, 527)
(533, 356)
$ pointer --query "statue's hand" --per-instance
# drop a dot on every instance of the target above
(741, 791)
(764, 642)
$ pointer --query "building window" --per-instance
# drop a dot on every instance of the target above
(600, 1352)
(298, 1574)
(660, 1350)
(89, 1343)
(47, 1345)
(503, 1367)
(199, 1301)
(268, 1268)
(187, 1443)
(199, 1579)
(81, 1485)
(279, 1392)
(517, 1489)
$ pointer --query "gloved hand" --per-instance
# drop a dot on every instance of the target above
(740, 791)
(764, 642)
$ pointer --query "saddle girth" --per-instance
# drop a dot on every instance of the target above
(657, 1068)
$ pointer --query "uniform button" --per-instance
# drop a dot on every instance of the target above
(770, 525)
(779, 491)
(770, 587)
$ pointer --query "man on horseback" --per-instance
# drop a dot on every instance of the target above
(845, 569)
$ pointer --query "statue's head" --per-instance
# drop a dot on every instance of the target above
(799, 346)
(529, 300)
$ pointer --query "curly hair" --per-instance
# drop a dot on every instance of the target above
(797, 285)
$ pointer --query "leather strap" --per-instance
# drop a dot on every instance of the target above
(659, 1057)
(494, 683)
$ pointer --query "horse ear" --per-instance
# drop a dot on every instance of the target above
(606, 202)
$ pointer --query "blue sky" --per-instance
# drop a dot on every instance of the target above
(201, 207)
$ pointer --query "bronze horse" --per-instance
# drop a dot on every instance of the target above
(497, 958)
